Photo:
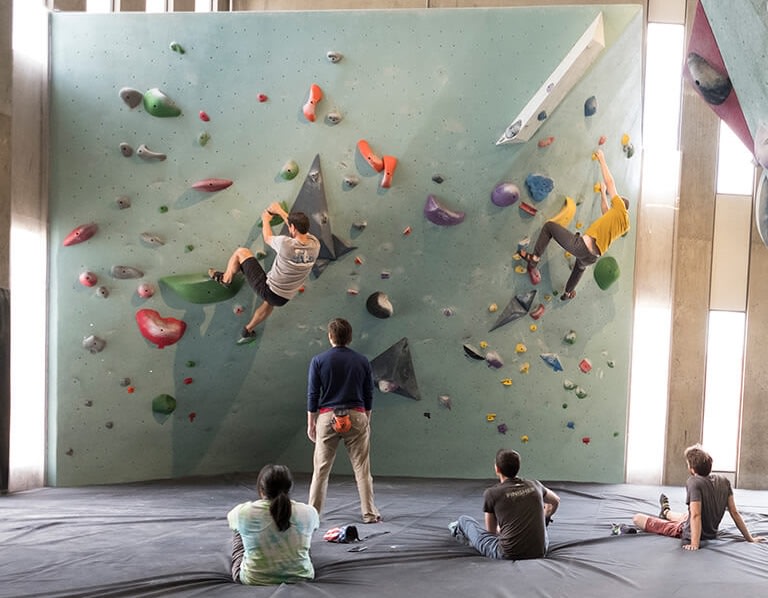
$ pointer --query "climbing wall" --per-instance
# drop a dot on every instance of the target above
(171, 133)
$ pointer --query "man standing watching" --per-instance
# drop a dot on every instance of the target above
(339, 401)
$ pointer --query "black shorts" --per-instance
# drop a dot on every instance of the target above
(257, 278)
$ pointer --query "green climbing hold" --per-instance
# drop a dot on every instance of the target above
(199, 288)
(289, 170)
(606, 272)
(570, 338)
(164, 404)
(162, 209)
(176, 47)
(203, 138)
(158, 104)
(189, 248)
(191, 364)
(275, 219)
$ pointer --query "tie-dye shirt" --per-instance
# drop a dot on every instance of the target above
(272, 556)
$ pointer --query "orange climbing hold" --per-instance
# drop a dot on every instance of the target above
(390, 163)
(366, 152)
(546, 142)
(315, 95)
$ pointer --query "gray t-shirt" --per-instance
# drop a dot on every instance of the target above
(519, 508)
(292, 265)
(712, 492)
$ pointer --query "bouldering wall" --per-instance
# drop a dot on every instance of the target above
(171, 133)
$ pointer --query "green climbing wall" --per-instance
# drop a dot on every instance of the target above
(434, 88)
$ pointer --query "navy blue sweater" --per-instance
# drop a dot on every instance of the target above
(339, 377)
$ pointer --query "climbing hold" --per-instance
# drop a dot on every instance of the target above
(158, 330)
(379, 305)
(238, 310)
(437, 213)
(407, 231)
(192, 415)
(81, 233)
(585, 365)
(447, 312)
(396, 365)
(158, 104)
(505, 194)
(490, 417)
(123, 202)
(438, 178)
(390, 163)
(507, 381)
(387, 385)
(203, 138)
(714, 87)
(539, 186)
(109, 425)
(88, 279)
(538, 312)
(188, 381)
(132, 97)
(102, 292)
(162, 209)
(351, 181)
(385, 275)
(533, 327)
(581, 393)
(494, 360)
(211, 185)
(524, 438)
(94, 344)
(553, 361)
(262, 97)
(289, 170)
(334, 56)
(358, 260)
(625, 139)
(473, 353)
(147, 154)
(483, 345)
(190, 364)
(547, 141)
(204, 116)
(153, 240)
(524, 367)
(125, 272)
(200, 288)
(520, 348)
(334, 117)
(571, 425)
(146, 290)
(586, 440)
(541, 116)
(315, 95)
(164, 404)
(365, 151)
(590, 106)
(126, 149)
(528, 208)
(610, 363)
(606, 272)
(493, 308)
(517, 307)
(176, 47)
(444, 401)
(570, 337)
(602, 140)
(276, 219)
(629, 149)
(502, 428)
(568, 384)
(597, 187)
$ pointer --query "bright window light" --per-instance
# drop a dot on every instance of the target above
(99, 5)
(663, 86)
(156, 6)
(735, 170)
(722, 394)
(202, 5)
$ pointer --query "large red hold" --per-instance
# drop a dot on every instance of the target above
(158, 330)
(81, 233)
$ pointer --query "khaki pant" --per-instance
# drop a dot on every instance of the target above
(357, 441)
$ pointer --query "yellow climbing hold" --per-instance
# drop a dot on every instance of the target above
(490, 417)
(579, 224)
(533, 328)
(493, 307)
(524, 438)
(624, 139)
(507, 381)
(520, 348)
(525, 367)
(596, 188)
(483, 345)
(521, 269)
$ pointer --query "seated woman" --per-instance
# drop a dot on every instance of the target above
(272, 535)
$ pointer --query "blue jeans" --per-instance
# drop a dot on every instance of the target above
(479, 538)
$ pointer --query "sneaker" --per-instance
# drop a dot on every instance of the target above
(457, 534)
(246, 336)
(622, 529)
(664, 503)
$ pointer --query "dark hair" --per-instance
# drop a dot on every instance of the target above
(300, 220)
(699, 460)
(508, 462)
(340, 332)
(274, 484)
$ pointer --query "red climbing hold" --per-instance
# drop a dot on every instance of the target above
(158, 330)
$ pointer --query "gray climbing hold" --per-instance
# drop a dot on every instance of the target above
(126, 150)
(334, 118)
(714, 87)
(102, 292)
(351, 181)
(379, 305)
(334, 56)
(590, 106)
(147, 154)
(94, 344)
(153, 240)
(126, 272)
(132, 97)
(123, 202)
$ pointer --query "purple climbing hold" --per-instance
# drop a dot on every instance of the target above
(505, 194)
(437, 213)
(494, 359)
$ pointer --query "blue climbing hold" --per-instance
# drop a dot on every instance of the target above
(539, 186)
